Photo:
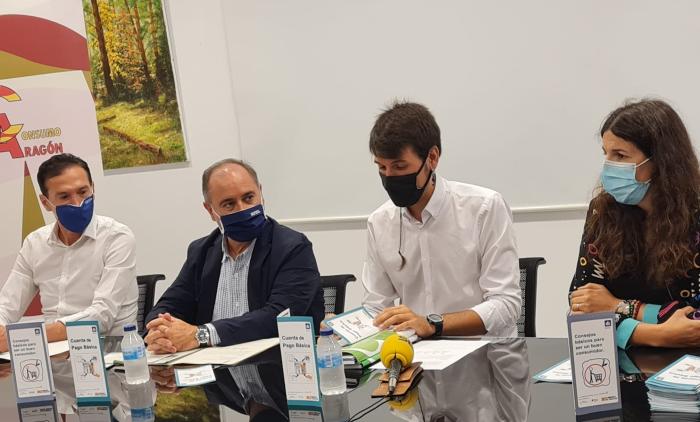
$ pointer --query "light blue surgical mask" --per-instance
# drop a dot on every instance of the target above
(620, 181)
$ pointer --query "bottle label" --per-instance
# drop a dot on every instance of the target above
(330, 361)
(145, 413)
(134, 353)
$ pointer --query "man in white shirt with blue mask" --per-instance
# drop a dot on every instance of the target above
(446, 250)
(83, 265)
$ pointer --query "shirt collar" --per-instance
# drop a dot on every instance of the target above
(435, 203)
(432, 209)
(91, 229)
(245, 253)
(90, 232)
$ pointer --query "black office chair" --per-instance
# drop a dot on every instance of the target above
(334, 292)
(528, 292)
(147, 293)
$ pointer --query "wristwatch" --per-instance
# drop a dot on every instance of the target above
(202, 336)
(624, 308)
(436, 321)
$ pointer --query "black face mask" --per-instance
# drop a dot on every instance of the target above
(402, 189)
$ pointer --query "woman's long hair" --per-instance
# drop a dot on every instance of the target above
(656, 246)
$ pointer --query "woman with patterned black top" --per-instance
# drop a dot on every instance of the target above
(642, 234)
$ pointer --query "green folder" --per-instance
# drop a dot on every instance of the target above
(365, 352)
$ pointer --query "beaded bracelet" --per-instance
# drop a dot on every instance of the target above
(637, 308)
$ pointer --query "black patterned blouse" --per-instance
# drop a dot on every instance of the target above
(634, 285)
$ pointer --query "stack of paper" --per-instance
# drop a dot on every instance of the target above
(674, 392)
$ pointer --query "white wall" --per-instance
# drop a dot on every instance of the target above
(513, 85)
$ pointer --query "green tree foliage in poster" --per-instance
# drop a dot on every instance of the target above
(133, 83)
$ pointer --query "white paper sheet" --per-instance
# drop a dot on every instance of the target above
(560, 373)
(436, 355)
(55, 348)
(353, 326)
(116, 358)
(228, 355)
(196, 375)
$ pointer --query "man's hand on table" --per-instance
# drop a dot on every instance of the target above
(402, 318)
(167, 334)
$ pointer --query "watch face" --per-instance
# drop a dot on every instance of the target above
(202, 336)
(435, 318)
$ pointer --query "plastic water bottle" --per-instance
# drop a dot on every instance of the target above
(134, 351)
(330, 363)
(141, 401)
(336, 408)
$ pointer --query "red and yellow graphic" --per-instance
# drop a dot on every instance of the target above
(31, 45)
(9, 131)
(8, 94)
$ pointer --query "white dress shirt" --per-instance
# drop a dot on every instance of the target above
(93, 279)
(462, 256)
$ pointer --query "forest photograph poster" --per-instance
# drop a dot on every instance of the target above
(133, 84)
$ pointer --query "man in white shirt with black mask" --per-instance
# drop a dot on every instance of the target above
(445, 249)
(83, 265)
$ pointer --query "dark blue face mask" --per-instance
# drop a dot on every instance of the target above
(76, 218)
(245, 225)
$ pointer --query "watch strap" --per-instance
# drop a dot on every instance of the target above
(437, 324)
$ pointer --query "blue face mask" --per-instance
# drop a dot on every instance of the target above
(620, 181)
(76, 218)
(245, 225)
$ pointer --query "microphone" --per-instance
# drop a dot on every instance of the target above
(396, 354)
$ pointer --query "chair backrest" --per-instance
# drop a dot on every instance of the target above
(334, 291)
(528, 292)
(147, 292)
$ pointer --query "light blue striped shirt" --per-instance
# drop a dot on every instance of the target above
(232, 292)
(232, 301)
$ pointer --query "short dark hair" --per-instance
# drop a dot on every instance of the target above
(207, 173)
(56, 165)
(404, 124)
